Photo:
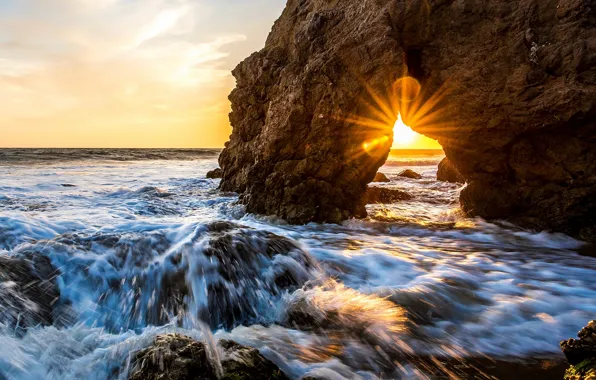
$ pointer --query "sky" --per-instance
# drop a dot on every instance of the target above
(123, 73)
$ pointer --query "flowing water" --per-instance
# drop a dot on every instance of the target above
(138, 243)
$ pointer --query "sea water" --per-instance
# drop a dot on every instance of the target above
(126, 229)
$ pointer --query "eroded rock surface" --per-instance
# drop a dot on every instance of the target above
(177, 357)
(581, 354)
(508, 88)
(447, 172)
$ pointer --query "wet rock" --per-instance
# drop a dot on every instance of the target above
(448, 173)
(410, 174)
(177, 357)
(513, 108)
(215, 173)
(581, 353)
(28, 291)
(380, 177)
(383, 195)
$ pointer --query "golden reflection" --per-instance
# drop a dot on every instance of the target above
(354, 309)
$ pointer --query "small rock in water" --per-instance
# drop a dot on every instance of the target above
(178, 357)
(68, 185)
(375, 195)
(581, 354)
(410, 174)
(380, 177)
(215, 173)
(448, 173)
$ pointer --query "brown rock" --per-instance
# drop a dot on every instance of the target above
(215, 173)
(448, 173)
(177, 357)
(508, 88)
(410, 174)
(383, 195)
(380, 177)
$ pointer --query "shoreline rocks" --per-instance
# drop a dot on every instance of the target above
(448, 173)
(178, 357)
(512, 84)
(214, 174)
(380, 177)
(581, 354)
(408, 173)
(375, 195)
(28, 292)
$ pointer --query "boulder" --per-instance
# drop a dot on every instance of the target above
(448, 173)
(383, 195)
(380, 177)
(410, 174)
(214, 174)
(581, 354)
(507, 87)
(28, 291)
(178, 357)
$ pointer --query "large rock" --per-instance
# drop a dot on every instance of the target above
(382, 195)
(508, 88)
(177, 357)
(28, 292)
(448, 173)
(409, 173)
(581, 354)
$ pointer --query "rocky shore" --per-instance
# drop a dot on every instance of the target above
(508, 88)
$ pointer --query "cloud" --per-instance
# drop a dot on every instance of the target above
(72, 64)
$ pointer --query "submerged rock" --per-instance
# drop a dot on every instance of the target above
(215, 173)
(510, 90)
(177, 357)
(448, 173)
(410, 174)
(380, 177)
(28, 291)
(222, 273)
(383, 195)
(581, 354)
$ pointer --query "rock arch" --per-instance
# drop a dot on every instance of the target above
(517, 90)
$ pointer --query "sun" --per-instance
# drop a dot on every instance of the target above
(402, 134)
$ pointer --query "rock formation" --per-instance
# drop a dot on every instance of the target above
(177, 357)
(214, 174)
(508, 88)
(408, 173)
(375, 195)
(380, 177)
(28, 292)
(449, 173)
(581, 354)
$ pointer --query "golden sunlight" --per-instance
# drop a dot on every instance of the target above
(402, 134)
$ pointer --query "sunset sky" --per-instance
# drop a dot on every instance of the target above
(124, 73)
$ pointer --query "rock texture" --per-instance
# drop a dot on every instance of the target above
(383, 195)
(214, 174)
(408, 173)
(507, 87)
(581, 354)
(28, 292)
(177, 357)
(447, 172)
(380, 177)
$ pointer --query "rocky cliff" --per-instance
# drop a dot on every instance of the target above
(507, 87)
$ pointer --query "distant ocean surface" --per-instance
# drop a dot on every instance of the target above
(122, 226)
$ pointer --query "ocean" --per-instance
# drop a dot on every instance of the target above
(132, 238)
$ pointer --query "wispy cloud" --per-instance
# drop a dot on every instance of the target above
(67, 65)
